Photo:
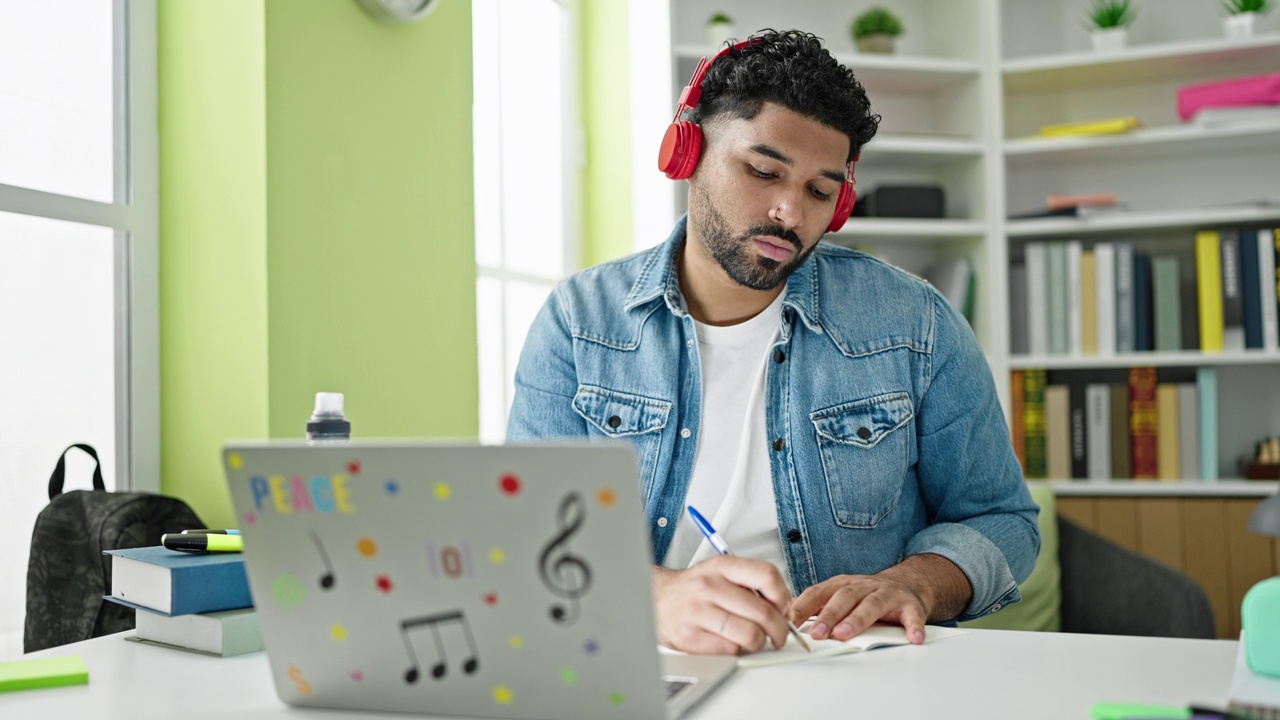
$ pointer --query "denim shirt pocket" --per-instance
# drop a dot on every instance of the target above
(864, 451)
(623, 416)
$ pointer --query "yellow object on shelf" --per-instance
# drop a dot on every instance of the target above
(1110, 126)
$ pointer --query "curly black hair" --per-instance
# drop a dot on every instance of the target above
(793, 69)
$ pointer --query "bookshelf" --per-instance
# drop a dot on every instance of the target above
(962, 102)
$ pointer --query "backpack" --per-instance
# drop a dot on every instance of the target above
(68, 574)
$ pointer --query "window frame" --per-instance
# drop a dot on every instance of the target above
(134, 216)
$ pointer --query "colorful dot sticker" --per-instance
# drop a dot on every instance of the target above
(338, 632)
(616, 698)
(288, 591)
(491, 598)
(510, 484)
(235, 461)
(353, 467)
(357, 675)
(250, 517)
(606, 497)
(497, 557)
(568, 676)
(502, 695)
(384, 584)
(367, 547)
(443, 491)
(591, 647)
(516, 642)
(392, 487)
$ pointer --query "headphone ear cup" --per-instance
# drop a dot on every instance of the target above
(681, 146)
(844, 206)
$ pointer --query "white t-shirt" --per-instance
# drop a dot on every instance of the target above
(732, 485)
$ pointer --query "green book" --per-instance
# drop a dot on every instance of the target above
(1034, 428)
(42, 673)
(1168, 303)
(1059, 336)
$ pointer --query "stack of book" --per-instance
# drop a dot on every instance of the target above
(1219, 294)
(195, 602)
(1137, 423)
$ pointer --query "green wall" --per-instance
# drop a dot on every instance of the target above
(606, 109)
(316, 227)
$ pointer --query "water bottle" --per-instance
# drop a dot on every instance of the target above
(328, 424)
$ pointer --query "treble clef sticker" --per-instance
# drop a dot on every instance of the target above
(565, 574)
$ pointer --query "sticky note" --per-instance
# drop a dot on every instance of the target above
(43, 672)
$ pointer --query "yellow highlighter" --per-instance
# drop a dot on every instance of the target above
(205, 543)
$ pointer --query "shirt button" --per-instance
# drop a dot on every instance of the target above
(615, 421)
(864, 433)
(662, 522)
(794, 535)
(689, 343)
(685, 433)
(779, 356)
(779, 444)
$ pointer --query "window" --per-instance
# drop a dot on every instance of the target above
(78, 261)
(527, 142)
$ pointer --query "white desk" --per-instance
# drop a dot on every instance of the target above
(987, 674)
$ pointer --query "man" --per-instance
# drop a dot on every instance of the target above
(833, 416)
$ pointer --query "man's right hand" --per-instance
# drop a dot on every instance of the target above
(712, 608)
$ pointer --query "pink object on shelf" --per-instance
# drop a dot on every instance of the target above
(1252, 90)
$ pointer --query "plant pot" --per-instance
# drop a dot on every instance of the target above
(718, 32)
(1239, 26)
(1110, 40)
(882, 44)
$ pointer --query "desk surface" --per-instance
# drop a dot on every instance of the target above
(984, 674)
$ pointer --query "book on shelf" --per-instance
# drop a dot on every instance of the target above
(1143, 423)
(224, 633)
(1169, 465)
(1143, 316)
(1075, 335)
(1055, 201)
(1037, 262)
(1207, 399)
(1072, 211)
(1125, 338)
(1190, 303)
(1098, 410)
(1240, 115)
(1167, 303)
(1251, 290)
(1018, 344)
(1076, 383)
(1121, 437)
(1105, 304)
(1209, 289)
(1269, 287)
(1188, 431)
(1105, 126)
(1232, 294)
(1088, 303)
(1033, 384)
(1017, 419)
(1056, 264)
(1057, 422)
(954, 278)
(177, 583)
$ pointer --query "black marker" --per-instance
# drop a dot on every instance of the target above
(202, 543)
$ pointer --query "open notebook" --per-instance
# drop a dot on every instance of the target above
(873, 637)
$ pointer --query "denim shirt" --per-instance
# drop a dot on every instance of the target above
(885, 435)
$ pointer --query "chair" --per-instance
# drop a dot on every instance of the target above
(1107, 589)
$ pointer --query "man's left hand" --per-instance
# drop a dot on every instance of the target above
(921, 588)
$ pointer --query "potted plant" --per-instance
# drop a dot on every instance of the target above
(875, 29)
(1241, 15)
(719, 29)
(1110, 20)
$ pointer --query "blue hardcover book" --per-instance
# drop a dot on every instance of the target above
(177, 583)
(1251, 285)
(1143, 319)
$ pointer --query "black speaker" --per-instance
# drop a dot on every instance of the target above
(902, 201)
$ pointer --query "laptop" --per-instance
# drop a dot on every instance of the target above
(489, 581)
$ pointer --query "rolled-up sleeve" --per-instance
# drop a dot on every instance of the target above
(981, 515)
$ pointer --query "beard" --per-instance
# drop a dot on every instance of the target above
(736, 255)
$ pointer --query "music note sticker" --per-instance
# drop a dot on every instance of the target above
(562, 572)
(470, 664)
(326, 579)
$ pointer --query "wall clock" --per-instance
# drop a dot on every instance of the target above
(395, 12)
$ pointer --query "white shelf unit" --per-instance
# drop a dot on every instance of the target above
(962, 102)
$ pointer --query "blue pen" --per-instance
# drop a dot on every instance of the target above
(722, 547)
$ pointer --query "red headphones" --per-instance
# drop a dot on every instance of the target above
(682, 143)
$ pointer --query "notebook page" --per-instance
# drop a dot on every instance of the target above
(873, 637)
